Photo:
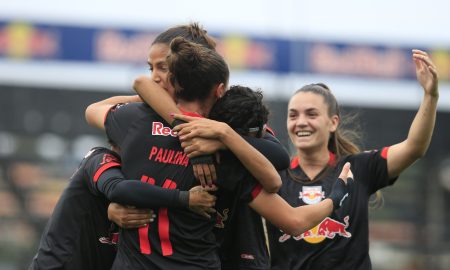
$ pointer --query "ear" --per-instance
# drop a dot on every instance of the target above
(334, 123)
(220, 90)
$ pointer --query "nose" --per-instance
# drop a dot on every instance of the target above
(301, 121)
(155, 77)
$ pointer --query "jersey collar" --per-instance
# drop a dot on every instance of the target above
(331, 161)
(193, 114)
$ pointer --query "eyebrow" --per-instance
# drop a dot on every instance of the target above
(307, 110)
(159, 63)
(311, 109)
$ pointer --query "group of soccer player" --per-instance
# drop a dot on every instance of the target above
(199, 154)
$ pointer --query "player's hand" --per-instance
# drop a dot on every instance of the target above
(201, 202)
(426, 72)
(200, 146)
(342, 187)
(205, 174)
(128, 217)
(199, 127)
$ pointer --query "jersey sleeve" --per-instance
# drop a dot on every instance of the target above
(250, 189)
(140, 194)
(272, 149)
(119, 119)
(97, 162)
(239, 179)
(102, 169)
(374, 163)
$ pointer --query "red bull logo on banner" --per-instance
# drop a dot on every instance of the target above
(360, 60)
(22, 40)
(327, 229)
(117, 46)
(312, 195)
(244, 53)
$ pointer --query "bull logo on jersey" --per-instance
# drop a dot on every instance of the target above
(117, 106)
(327, 229)
(111, 240)
(108, 158)
(311, 195)
(221, 218)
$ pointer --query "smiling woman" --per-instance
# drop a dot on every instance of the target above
(313, 120)
(322, 148)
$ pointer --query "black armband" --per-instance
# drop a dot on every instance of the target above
(204, 159)
(183, 198)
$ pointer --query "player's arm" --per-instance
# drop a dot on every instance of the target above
(273, 151)
(255, 162)
(96, 112)
(143, 195)
(403, 154)
(129, 217)
(160, 100)
(295, 221)
(156, 97)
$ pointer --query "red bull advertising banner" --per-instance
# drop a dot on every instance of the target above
(33, 41)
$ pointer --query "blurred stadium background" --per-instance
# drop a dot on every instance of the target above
(56, 58)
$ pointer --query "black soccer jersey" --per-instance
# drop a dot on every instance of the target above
(237, 190)
(77, 235)
(178, 239)
(244, 246)
(340, 241)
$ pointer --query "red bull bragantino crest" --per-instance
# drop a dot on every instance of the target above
(328, 228)
(311, 195)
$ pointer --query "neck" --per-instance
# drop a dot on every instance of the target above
(314, 158)
(193, 106)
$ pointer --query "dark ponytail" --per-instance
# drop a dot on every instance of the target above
(195, 69)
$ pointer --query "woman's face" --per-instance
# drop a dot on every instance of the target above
(158, 66)
(308, 123)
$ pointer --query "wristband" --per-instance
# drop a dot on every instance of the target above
(183, 198)
(204, 159)
(340, 192)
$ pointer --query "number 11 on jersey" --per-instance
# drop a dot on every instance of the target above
(163, 224)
